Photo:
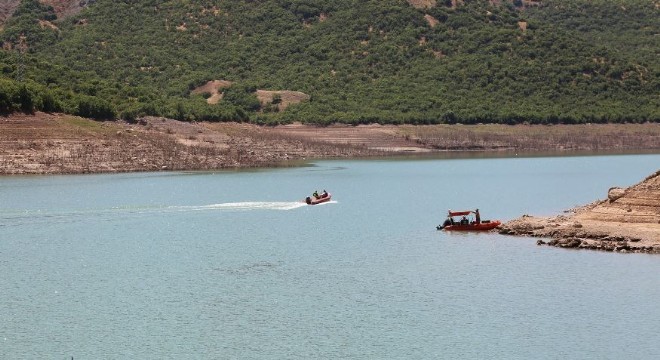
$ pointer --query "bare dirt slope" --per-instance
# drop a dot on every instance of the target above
(422, 4)
(627, 221)
(63, 8)
(286, 98)
(51, 143)
(214, 88)
(7, 8)
(215, 91)
(376, 137)
(488, 137)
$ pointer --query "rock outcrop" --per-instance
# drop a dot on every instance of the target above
(628, 221)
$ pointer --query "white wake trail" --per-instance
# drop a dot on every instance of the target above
(243, 206)
(22, 217)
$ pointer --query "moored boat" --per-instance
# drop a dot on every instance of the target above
(469, 221)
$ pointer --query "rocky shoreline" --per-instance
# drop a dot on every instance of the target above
(570, 234)
(628, 221)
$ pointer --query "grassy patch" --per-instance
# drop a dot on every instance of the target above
(82, 122)
(89, 126)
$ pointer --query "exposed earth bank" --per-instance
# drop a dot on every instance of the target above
(61, 144)
(627, 221)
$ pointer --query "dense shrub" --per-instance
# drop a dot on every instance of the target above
(361, 61)
(94, 108)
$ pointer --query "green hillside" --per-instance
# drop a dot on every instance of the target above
(361, 61)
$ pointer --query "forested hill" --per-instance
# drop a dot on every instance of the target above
(354, 61)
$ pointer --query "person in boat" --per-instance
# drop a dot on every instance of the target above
(316, 194)
(324, 194)
(477, 217)
(464, 220)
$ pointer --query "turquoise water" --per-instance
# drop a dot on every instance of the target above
(231, 265)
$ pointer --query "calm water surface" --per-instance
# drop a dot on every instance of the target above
(230, 265)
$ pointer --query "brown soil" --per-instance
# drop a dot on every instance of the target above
(65, 8)
(7, 8)
(627, 221)
(213, 88)
(56, 144)
(433, 22)
(286, 97)
(51, 143)
(422, 4)
(375, 137)
(599, 137)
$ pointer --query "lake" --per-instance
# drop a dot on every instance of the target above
(231, 265)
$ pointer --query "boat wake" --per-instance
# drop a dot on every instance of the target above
(242, 206)
(22, 217)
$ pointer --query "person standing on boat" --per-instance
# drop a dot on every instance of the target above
(477, 216)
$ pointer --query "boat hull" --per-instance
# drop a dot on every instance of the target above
(484, 226)
(314, 201)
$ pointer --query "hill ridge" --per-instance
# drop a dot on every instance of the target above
(390, 61)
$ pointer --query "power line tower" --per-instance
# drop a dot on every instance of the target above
(22, 48)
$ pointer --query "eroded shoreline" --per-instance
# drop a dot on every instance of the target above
(61, 144)
(627, 221)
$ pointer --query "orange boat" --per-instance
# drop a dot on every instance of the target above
(313, 200)
(469, 221)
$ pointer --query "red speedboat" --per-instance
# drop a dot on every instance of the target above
(467, 221)
(313, 200)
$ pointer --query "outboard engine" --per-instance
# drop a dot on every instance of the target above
(308, 200)
(445, 224)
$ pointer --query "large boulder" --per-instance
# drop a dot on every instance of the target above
(615, 193)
